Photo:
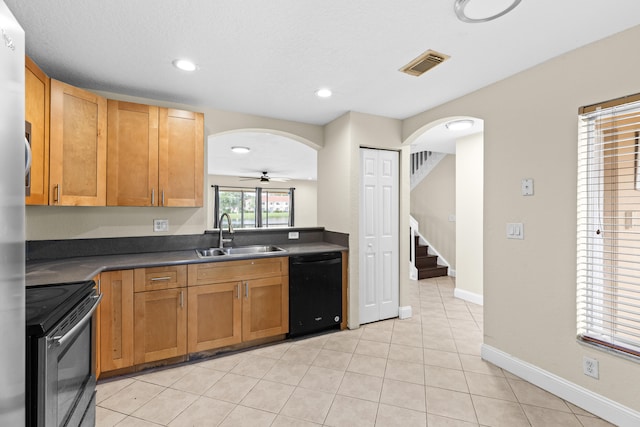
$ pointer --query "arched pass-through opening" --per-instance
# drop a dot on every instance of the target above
(290, 161)
(447, 200)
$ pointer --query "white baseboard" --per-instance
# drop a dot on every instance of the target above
(452, 272)
(601, 406)
(468, 296)
(405, 312)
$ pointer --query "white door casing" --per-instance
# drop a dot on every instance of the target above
(379, 238)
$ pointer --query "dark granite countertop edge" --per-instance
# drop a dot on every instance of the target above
(65, 270)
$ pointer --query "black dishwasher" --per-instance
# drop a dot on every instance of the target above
(315, 292)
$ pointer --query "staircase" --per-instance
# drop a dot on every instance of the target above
(427, 264)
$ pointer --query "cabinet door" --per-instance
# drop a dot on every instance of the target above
(78, 147)
(37, 113)
(160, 325)
(132, 154)
(265, 307)
(181, 157)
(214, 316)
(116, 320)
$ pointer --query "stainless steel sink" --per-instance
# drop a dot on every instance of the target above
(250, 250)
(209, 253)
(240, 250)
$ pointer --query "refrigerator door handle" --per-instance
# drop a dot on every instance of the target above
(27, 161)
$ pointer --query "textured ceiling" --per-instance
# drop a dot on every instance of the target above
(269, 57)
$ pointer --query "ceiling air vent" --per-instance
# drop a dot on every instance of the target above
(424, 63)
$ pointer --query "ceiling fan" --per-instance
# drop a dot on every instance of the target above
(264, 178)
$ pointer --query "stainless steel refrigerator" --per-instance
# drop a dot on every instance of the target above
(12, 188)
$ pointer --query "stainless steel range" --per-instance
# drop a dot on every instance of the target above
(60, 353)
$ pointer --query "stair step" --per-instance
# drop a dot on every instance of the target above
(438, 271)
(422, 251)
(426, 261)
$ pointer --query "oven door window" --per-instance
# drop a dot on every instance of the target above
(70, 366)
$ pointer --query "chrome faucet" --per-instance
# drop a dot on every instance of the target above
(222, 241)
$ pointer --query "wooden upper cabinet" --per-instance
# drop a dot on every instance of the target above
(181, 157)
(78, 147)
(155, 156)
(37, 113)
(132, 154)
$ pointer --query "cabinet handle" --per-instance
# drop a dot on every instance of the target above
(161, 279)
(162, 197)
(99, 286)
(153, 197)
(238, 291)
(181, 299)
(56, 193)
(246, 289)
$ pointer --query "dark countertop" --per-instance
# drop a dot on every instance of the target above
(75, 269)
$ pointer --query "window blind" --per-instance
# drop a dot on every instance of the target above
(608, 246)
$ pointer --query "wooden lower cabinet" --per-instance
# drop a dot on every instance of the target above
(116, 320)
(151, 314)
(215, 316)
(237, 301)
(265, 308)
(160, 325)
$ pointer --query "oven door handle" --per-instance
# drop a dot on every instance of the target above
(61, 340)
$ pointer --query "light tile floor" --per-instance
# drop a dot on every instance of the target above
(423, 371)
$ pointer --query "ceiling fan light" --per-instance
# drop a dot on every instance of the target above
(240, 150)
(456, 125)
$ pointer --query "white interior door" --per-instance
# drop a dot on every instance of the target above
(379, 239)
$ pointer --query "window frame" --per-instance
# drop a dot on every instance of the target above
(608, 286)
(259, 192)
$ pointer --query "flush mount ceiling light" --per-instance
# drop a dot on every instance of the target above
(240, 150)
(483, 11)
(459, 124)
(323, 93)
(184, 64)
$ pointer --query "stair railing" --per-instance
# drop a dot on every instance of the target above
(414, 226)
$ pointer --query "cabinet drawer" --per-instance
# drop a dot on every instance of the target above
(226, 271)
(159, 278)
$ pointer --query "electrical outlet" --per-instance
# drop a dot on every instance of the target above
(590, 367)
(160, 225)
(294, 235)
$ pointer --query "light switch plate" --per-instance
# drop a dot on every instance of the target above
(515, 230)
(527, 187)
(160, 225)
(294, 235)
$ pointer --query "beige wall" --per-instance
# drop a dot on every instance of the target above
(339, 188)
(305, 197)
(54, 222)
(469, 217)
(530, 123)
(432, 201)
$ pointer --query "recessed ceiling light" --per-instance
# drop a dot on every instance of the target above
(459, 124)
(240, 150)
(323, 93)
(184, 64)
